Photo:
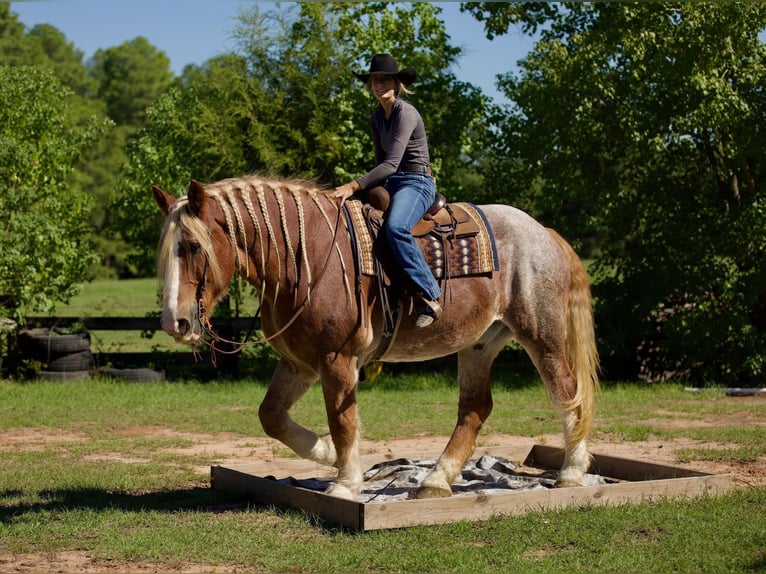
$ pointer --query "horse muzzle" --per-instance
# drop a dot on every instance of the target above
(180, 329)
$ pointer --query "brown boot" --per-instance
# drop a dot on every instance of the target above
(427, 311)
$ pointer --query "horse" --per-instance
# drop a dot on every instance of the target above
(287, 238)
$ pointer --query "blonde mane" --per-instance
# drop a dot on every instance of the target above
(235, 197)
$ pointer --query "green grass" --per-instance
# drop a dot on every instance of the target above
(113, 298)
(132, 497)
(629, 539)
(140, 498)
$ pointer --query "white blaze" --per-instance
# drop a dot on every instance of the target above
(171, 287)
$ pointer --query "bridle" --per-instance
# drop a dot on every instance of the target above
(235, 347)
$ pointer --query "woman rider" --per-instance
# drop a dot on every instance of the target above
(402, 167)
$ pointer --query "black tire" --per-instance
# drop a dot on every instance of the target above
(136, 375)
(41, 343)
(63, 376)
(81, 361)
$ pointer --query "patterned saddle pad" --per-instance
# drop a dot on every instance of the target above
(456, 242)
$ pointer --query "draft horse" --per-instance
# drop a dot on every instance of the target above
(288, 239)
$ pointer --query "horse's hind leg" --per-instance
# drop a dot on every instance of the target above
(561, 385)
(475, 405)
(288, 384)
(563, 348)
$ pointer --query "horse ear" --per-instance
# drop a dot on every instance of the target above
(196, 196)
(164, 200)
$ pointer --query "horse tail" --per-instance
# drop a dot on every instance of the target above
(581, 350)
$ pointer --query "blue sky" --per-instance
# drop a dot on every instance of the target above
(192, 31)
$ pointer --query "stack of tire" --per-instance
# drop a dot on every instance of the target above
(63, 356)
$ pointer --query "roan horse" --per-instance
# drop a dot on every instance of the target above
(288, 239)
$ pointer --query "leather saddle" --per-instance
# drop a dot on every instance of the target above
(442, 218)
(454, 238)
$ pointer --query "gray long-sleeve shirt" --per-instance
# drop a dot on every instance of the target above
(399, 140)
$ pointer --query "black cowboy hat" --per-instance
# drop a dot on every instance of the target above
(385, 64)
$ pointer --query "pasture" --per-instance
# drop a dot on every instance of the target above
(105, 475)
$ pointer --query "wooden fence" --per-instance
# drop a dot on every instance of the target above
(229, 329)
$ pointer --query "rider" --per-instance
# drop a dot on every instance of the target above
(402, 167)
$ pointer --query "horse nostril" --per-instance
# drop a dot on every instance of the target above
(183, 326)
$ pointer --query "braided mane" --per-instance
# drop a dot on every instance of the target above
(246, 199)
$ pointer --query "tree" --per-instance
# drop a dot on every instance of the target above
(64, 58)
(15, 47)
(642, 123)
(130, 77)
(45, 46)
(44, 220)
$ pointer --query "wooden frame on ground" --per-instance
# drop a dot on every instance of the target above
(637, 482)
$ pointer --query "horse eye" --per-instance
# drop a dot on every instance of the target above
(189, 248)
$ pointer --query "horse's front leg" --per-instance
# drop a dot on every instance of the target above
(339, 380)
(288, 384)
(475, 405)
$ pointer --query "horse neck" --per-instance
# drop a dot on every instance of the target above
(279, 230)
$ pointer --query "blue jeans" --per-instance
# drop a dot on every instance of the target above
(412, 194)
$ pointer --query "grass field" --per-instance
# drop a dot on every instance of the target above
(107, 471)
(114, 298)
(113, 476)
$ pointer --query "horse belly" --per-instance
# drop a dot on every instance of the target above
(411, 350)
(461, 325)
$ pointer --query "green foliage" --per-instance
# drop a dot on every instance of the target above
(130, 77)
(64, 58)
(15, 48)
(287, 104)
(119, 70)
(163, 153)
(637, 130)
(43, 249)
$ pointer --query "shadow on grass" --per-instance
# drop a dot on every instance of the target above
(511, 370)
(199, 499)
(196, 499)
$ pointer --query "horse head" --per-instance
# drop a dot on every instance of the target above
(196, 261)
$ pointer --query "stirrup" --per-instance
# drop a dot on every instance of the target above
(428, 312)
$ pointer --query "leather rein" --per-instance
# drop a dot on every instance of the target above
(237, 346)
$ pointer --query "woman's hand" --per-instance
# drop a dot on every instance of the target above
(344, 191)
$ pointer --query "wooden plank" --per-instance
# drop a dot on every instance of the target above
(269, 492)
(401, 514)
(371, 515)
(549, 457)
(164, 358)
(236, 324)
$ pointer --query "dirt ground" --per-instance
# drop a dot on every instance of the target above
(222, 448)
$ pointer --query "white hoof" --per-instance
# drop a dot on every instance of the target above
(339, 491)
(570, 477)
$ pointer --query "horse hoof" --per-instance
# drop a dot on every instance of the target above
(570, 477)
(433, 492)
(340, 491)
(566, 484)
